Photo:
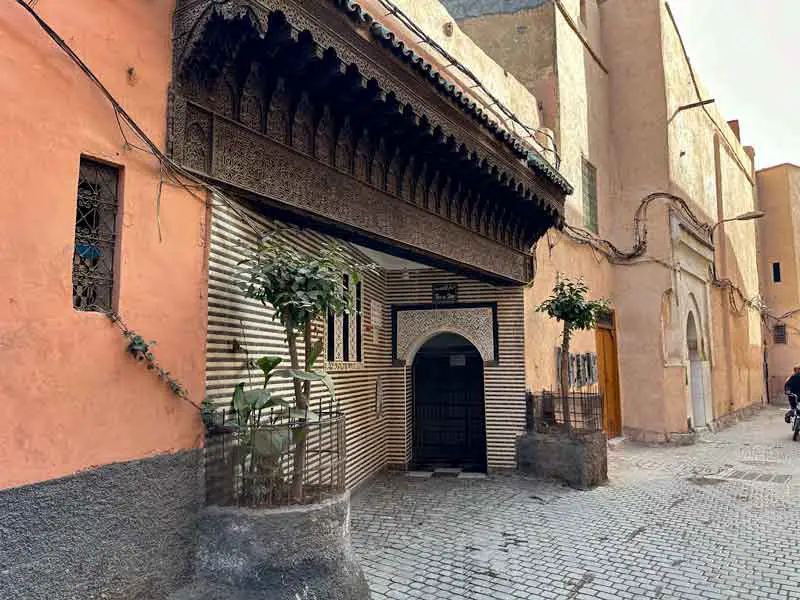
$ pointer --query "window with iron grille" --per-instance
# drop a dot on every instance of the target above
(95, 236)
(344, 333)
(779, 334)
(589, 196)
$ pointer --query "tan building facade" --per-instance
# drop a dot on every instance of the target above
(779, 198)
(617, 88)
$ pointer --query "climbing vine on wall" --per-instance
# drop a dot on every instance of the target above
(142, 351)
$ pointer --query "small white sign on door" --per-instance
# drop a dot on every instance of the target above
(458, 360)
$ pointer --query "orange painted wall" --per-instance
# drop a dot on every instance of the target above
(70, 396)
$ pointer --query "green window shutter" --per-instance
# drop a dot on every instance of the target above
(590, 196)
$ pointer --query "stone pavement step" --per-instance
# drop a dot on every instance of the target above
(616, 443)
(419, 474)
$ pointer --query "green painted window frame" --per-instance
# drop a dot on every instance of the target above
(589, 175)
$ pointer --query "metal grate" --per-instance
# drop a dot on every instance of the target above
(779, 334)
(546, 411)
(757, 476)
(259, 467)
(95, 236)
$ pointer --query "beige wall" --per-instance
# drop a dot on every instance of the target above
(558, 254)
(626, 122)
(710, 168)
(631, 32)
(779, 197)
(524, 44)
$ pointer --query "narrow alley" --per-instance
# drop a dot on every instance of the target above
(711, 520)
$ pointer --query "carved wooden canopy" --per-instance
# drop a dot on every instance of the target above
(298, 105)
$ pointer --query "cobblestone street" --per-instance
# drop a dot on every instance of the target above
(712, 520)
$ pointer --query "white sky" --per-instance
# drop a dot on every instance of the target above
(747, 54)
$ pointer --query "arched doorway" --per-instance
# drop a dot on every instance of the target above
(697, 384)
(449, 421)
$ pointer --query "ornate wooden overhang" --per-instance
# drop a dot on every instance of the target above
(298, 105)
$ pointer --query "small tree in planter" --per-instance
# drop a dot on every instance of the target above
(568, 304)
(302, 288)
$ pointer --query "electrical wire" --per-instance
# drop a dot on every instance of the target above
(178, 175)
(401, 16)
(738, 301)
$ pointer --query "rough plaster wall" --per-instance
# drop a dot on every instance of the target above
(93, 403)
(779, 197)
(737, 372)
(465, 9)
(119, 532)
(693, 175)
(691, 134)
(523, 43)
(583, 131)
(542, 334)
(573, 109)
(632, 51)
(584, 113)
(431, 16)
(691, 131)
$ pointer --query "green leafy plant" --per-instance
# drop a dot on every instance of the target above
(568, 304)
(302, 288)
(262, 422)
(142, 351)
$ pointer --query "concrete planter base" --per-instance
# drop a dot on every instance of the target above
(580, 460)
(292, 553)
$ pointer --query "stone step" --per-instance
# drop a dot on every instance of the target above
(616, 443)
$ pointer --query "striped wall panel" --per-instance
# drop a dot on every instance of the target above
(240, 329)
(504, 383)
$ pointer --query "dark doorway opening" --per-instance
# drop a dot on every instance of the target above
(449, 414)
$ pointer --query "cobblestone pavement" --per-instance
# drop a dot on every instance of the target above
(708, 521)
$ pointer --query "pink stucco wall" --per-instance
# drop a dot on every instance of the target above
(70, 396)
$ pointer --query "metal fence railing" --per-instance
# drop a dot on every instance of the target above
(545, 411)
(280, 462)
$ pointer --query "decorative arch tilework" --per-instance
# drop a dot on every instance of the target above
(415, 325)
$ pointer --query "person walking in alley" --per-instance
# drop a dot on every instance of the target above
(792, 389)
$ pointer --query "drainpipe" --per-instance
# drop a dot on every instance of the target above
(722, 241)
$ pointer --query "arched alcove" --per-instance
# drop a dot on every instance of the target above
(449, 416)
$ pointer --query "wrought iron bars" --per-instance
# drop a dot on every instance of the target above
(95, 236)
(255, 467)
(545, 411)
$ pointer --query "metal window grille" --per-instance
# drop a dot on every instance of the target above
(605, 320)
(95, 236)
(590, 196)
(345, 337)
(779, 334)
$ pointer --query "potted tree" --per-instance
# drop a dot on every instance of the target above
(576, 455)
(569, 305)
(294, 544)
